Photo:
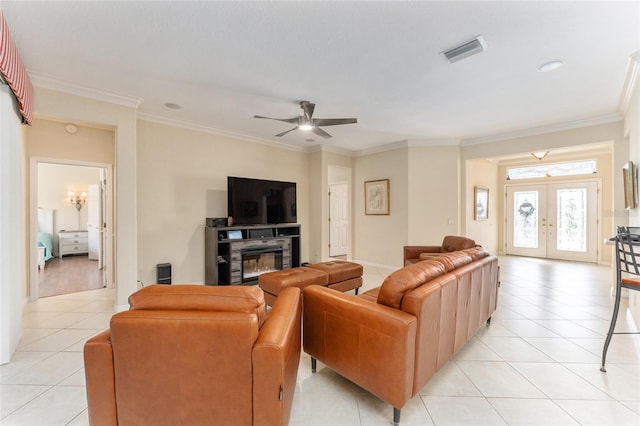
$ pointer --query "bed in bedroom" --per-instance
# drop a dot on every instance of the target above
(45, 236)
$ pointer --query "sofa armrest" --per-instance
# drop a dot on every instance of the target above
(413, 252)
(370, 344)
(100, 380)
(276, 356)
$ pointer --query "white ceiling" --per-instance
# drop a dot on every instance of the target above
(377, 61)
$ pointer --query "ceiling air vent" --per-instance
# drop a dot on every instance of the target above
(465, 50)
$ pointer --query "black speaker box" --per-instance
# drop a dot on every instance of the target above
(216, 222)
(261, 233)
(163, 271)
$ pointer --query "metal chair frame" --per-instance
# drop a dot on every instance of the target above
(628, 262)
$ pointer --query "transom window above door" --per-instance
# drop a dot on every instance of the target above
(573, 168)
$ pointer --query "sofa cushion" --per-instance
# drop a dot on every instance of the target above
(201, 298)
(454, 243)
(476, 252)
(453, 260)
(403, 280)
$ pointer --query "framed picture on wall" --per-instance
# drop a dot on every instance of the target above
(376, 197)
(481, 196)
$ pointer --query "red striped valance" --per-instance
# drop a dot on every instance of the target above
(14, 73)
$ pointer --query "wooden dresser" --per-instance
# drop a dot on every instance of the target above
(73, 242)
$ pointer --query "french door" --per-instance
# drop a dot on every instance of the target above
(555, 221)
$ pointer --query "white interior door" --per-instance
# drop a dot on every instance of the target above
(94, 223)
(338, 219)
(555, 221)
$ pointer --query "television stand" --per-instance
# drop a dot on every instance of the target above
(237, 255)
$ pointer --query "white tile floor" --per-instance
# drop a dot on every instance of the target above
(536, 364)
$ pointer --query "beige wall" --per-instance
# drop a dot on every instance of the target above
(182, 179)
(433, 189)
(379, 239)
(48, 139)
(317, 181)
(484, 174)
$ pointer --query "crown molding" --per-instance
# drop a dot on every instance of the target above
(156, 118)
(382, 148)
(569, 125)
(407, 143)
(45, 82)
(331, 148)
(433, 142)
(633, 68)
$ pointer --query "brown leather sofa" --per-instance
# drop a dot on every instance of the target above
(450, 243)
(391, 340)
(196, 355)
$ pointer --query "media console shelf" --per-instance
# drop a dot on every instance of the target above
(237, 255)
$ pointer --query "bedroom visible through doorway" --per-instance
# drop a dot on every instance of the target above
(71, 201)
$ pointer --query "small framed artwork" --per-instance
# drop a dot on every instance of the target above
(376, 197)
(481, 196)
(630, 176)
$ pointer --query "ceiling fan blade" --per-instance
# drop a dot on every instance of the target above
(285, 132)
(333, 121)
(293, 120)
(318, 131)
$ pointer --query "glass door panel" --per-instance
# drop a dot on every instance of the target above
(525, 224)
(525, 230)
(573, 207)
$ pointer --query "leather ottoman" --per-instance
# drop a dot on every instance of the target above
(343, 275)
(272, 283)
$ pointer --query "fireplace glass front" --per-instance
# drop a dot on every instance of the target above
(260, 260)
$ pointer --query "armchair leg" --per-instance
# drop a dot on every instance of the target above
(489, 321)
(396, 416)
(313, 365)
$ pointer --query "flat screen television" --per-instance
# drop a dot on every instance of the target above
(261, 202)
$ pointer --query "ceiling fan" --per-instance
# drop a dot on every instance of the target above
(307, 122)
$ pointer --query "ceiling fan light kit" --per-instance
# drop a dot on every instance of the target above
(306, 121)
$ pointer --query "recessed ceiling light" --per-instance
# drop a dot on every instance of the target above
(173, 105)
(551, 65)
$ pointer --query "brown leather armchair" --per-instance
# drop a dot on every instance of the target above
(414, 254)
(196, 355)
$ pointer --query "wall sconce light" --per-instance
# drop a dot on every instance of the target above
(540, 154)
(77, 200)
